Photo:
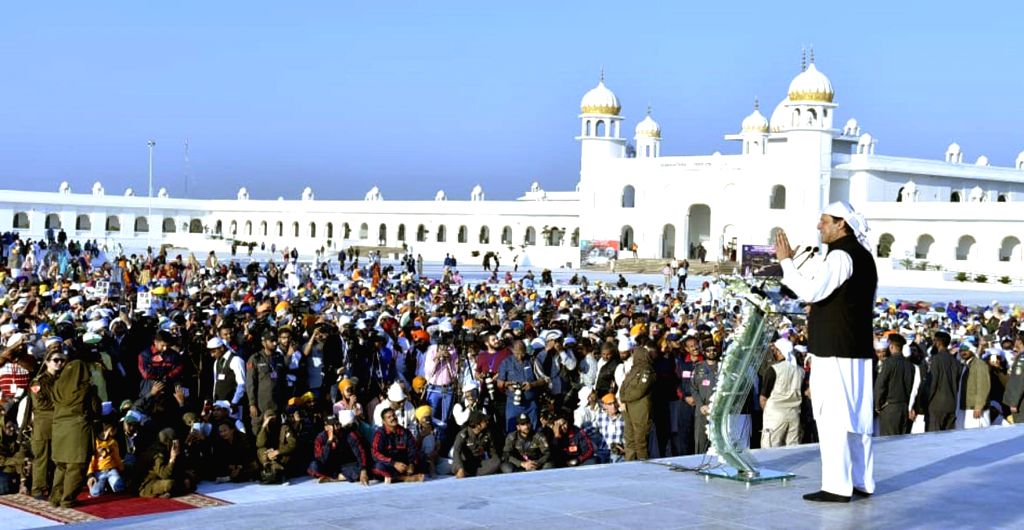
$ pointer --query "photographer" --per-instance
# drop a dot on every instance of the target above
(488, 362)
(440, 369)
(518, 380)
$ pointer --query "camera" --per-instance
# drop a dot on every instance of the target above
(517, 393)
(490, 385)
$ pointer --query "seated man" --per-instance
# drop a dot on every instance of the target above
(339, 451)
(473, 453)
(12, 459)
(394, 451)
(159, 473)
(525, 450)
(570, 445)
(275, 444)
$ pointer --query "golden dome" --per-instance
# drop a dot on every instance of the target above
(600, 100)
(811, 85)
(648, 127)
(755, 122)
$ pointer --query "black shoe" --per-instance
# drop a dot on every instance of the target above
(857, 492)
(824, 496)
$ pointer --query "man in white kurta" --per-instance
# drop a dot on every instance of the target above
(841, 381)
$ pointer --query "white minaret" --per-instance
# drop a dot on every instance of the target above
(600, 127)
(648, 137)
(810, 99)
(754, 132)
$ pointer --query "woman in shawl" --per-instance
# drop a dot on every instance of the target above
(75, 405)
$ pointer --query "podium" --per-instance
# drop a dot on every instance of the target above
(735, 379)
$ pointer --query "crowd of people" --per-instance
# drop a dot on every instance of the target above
(148, 374)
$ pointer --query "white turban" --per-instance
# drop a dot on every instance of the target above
(853, 219)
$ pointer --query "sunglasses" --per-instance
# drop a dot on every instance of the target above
(59, 361)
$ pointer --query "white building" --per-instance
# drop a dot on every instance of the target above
(944, 211)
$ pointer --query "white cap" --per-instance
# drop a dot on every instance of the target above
(584, 394)
(395, 393)
(15, 340)
(215, 342)
(92, 338)
(7, 328)
(853, 219)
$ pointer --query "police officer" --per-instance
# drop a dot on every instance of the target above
(265, 379)
(525, 449)
(702, 387)
(473, 453)
(893, 387)
(42, 420)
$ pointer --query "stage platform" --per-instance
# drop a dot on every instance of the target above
(962, 479)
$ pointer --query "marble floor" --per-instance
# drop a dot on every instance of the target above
(962, 479)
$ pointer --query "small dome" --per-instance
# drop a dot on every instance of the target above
(779, 115)
(163, 194)
(243, 194)
(852, 128)
(307, 194)
(755, 122)
(600, 100)
(953, 148)
(648, 127)
(97, 188)
(128, 192)
(811, 85)
(981, 161)
(440, 196)
(64, 188)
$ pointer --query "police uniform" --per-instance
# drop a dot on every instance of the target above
(42, 430)
(519, 450)
(475, 453)
(702, 387)
(264, 381)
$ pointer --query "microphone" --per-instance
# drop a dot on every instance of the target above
(809, 256)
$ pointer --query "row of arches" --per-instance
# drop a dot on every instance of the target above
(551, 236)
(776, 200)
(966, 247)
(112, 223)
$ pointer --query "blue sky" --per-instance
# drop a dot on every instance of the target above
(420, 96)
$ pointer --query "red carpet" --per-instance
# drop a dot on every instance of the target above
(108, 506)
(113, 506)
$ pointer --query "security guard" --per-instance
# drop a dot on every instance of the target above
(265, 382)
(473, 452)
(702, 387)
(525, 450)
(42, 420)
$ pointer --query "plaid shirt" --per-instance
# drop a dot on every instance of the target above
(609, 431)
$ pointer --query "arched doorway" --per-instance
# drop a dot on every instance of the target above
(21, 221)
(885, 245)
(141, 224)
(169, 227)
(626, 238)
(82, 222)
(668, 241)
(113, 224)
(964, 248)
(530, 237)
(699, 230)
(195, 226)
(442, 233)
(924, 246)
(1009, 250)
(53, 222)
(382, 234)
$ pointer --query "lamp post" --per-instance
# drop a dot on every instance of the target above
(149, 216)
